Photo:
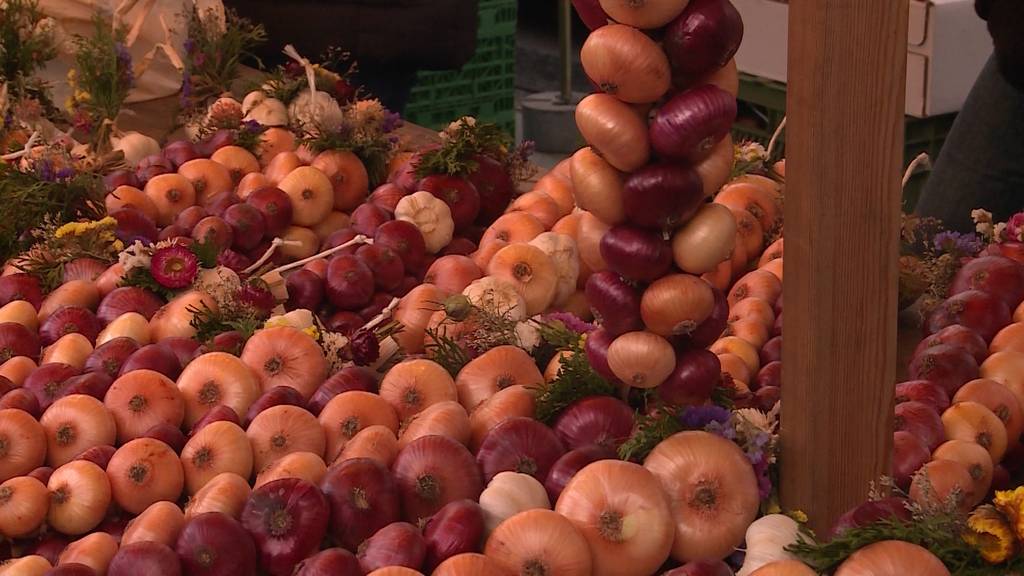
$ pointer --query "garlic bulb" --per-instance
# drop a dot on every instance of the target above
(225, 111)
(767, 538)
(564, 254)
(267, 111)
(431, 215)
(135, 146)
(496, 294)
(315, 114)
(508, 494)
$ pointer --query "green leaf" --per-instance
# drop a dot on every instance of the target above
(206, 250)
(575, 380)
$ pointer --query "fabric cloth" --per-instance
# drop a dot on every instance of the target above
(981, 164)
(1005, 23)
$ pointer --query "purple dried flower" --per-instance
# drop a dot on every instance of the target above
(199, 59)
(364, 347)
(189, 45)
(252, 126)
(764, 482)
(957, 243)
(392, 121)
(701, 417)
(571, 321)
(44, 169)
(1015, 227)
(65, 174)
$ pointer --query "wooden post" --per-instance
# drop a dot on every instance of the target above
(844, 150)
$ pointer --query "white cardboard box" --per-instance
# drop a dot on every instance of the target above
(947, 45)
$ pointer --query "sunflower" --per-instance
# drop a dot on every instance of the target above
(990, 533)
(1011, 504)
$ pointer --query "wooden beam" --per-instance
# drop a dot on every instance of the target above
(844, 149)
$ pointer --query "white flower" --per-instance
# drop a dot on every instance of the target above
(751, 152)
(220, 283)
(984, 228)
(528, 335)
(766, 422)
(333, 343)
(45, 28)
(135, 256)
(999, 230)
(300, 319)
(980, 215)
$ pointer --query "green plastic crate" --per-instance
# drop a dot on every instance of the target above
(484, 87)
(762, 106)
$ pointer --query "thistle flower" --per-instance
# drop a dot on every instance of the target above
(957, 243)
(174, 267)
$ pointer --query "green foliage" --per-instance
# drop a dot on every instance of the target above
(140, 277)
(209, 323)
(100, 81)
(575, 380)
(213, 55)
(460, 144)
(651, 430)
(26, 200)
(206, 251)
(27, 43)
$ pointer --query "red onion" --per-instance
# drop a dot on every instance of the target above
(133, 225)
(274, 397)
(572, 462)
(920, 420)
(93, 384)
(519, 444)
(185, 349)
(47, 382)
(457, 528)
(771, 351)
(701, 568)
(458, 193)
(153, 357)
(956, 335)
(346, 379)
(494, 186)
(977, 310)
(406, 240)
(711, 329)
(287, 519)
(49, 546)
(1012, 250)
(368, 217)
(662, 195)
(996, 275)
(459, 246)
(432, 471)
(98, 455)
(923, 391)
(108, 357)
(17, 340)
(692, 122)
(330, 562)
(20, 286)
(947, 366)
(363, 498)
(398, 544)
(599, 420)
(305, 290)
(118, 178)
(21, 399)
(387, 267)
(276, 208)
(591, 13)
(128, 299)
(871, 512)
(635, 253)
(694, 378)
(909, 454)
(702, 39)
(179, 152)
(70, 569)
(344, 322)
(152, 166)
(349, 282)
(218, 413)
(247, 226)
(145, 558)
(615, 302)
(168, 434)
(215, 544)
(596, 348)
(766, 396)
(67, 320)
(769, 375)
(1001, 479)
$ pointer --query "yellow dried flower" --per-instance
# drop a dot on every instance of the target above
(991, 535)
(799, 516)
(1011, 504)
(312, 332)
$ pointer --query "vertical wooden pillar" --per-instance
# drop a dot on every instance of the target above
(844, 150)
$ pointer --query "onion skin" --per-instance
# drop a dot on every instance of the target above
(694, 378)
(566, 467)
(432, 471)
(398, 544)
(977, 310)
(702, 39)
(214, 544)
(601, 420)
(662, 195)
(892, 557)
(922, 421)
(458, 528)
(287, 519)
(597, 345)
(689, 125)
(635, 253)
(871, 512)
(145, 558)
(626, 63)
(330, 562)
(613, 129)
(615, 302)
(947, 366)
(363, 499)
(519, 444)
(710, 330)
